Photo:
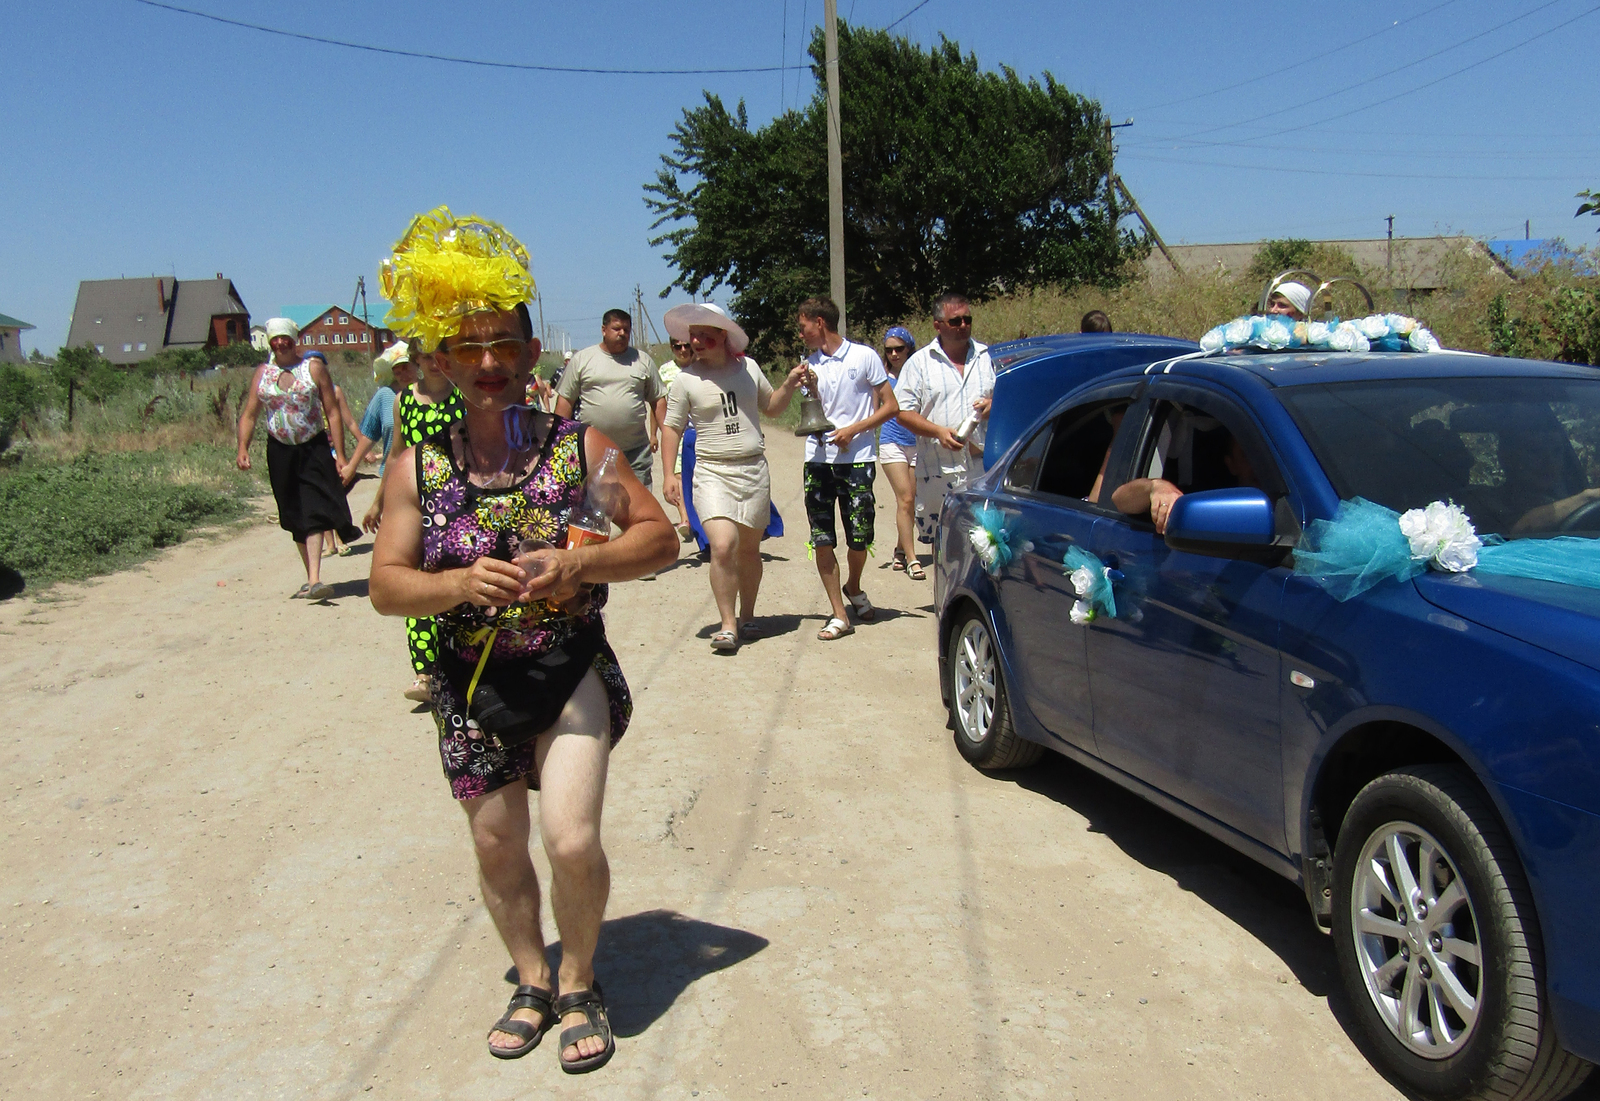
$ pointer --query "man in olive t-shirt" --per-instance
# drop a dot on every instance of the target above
(616, 388)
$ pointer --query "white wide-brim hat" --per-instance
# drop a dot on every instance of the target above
(282, 326)
(679, 318)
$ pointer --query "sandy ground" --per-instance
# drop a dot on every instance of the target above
(233, 868)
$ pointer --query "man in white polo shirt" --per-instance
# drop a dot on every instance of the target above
(856, 395)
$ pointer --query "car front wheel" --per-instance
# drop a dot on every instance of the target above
(979, 711)
(1438, 944)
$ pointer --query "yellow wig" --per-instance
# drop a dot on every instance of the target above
(444, 268)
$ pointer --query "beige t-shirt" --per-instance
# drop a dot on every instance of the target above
(725, 404)
(613, 393)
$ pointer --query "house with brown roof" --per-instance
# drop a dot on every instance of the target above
(128, 320)
(11, 331)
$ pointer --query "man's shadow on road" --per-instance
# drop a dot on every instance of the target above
(645, 961)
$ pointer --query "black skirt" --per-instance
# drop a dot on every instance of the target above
(305, 483)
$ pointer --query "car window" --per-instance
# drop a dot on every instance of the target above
(1521, 455)
(1065, 456)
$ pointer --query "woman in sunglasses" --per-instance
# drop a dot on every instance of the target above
(897, 454)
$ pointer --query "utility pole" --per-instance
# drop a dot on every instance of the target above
(830, 41)
(1150, 229)
(1391, 250)
(543, 336)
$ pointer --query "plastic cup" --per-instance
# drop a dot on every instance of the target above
(534, 567)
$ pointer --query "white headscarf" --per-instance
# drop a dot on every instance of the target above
(282, 326)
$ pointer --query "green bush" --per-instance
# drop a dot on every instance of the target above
(101, 512)
(19, 397)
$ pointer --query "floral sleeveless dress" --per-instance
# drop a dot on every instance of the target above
(415, 422)
(460, 524)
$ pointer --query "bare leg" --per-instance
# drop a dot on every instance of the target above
(828, 570)
(723, 535)
(572, 758)
(305, 560)
(749, 570)
(905, 506)
(311, 555)
(500, 830)
(856, 560)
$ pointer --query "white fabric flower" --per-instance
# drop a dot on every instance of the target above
(1421, 340)
(1374, 327)
(1238, 331)
(1400, 324)
(1348, 338)
(1275, 334)
(1082, 580)
(1443, 534)
(1082, 613)
(984, 544)
(1317, 333)
(1213, 341)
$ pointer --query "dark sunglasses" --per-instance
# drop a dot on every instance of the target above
(470, 354)
(964, 319)
(890, 349)
(681, 345)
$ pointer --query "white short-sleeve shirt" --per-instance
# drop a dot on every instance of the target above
(845, 381)
(932, 385)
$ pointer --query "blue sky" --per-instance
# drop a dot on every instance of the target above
(142, 141)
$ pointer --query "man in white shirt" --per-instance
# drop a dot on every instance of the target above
(857, 396)
(943, 385)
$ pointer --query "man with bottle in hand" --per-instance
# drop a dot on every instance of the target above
(944, 392)
(856, 396)
(528, 694)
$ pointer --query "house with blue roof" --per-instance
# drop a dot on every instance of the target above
(330, 328)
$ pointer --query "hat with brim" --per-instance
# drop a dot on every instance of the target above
(282, 326)
(680, 318)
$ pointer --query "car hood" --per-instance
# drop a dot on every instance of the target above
(1564, 619)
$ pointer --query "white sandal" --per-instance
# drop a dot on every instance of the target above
(835, 628)
(865, 612)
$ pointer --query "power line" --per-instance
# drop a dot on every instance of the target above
(907, 15)
(455, 60)
(1298, 64)
(1337, 172)
(1501, 153)
(1380, 76)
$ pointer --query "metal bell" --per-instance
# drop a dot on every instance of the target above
(813, 421)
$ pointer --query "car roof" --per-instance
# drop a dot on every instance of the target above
(1008, 354)
(1283, 369)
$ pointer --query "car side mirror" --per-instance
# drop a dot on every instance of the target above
(1223, 523)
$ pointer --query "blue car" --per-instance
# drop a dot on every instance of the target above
(1422, 758)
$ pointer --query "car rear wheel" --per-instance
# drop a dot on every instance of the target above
(1438, 944)
(979, 711)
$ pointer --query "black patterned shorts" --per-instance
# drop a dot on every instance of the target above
(850, 484)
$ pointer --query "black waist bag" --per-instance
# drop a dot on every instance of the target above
(514, 702)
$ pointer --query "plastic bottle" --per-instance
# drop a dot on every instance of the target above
(590, 519)
(966, 428)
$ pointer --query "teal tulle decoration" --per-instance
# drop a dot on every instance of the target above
(1092, 582)
(1568, 559)
(1356, 550)
(990, 539)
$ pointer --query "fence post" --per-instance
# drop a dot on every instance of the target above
(72, 386)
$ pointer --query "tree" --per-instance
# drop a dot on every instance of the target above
(92, 374)
(955, 179)
(1590, 207)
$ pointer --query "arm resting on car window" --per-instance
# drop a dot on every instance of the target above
(1147, 495)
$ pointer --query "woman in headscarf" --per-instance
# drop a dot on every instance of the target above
(897, 454)
(527, 693)
(296, 391)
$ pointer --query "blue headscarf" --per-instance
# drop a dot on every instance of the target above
(900, 332)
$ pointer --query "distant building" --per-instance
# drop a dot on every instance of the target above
(333, 328)
(11, 331)
(1414, 265)
(128, 320)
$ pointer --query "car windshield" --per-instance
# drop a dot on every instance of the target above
(1519, 454)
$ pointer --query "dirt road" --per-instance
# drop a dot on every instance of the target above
(233, 869)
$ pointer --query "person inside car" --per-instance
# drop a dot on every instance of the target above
(1289, 300)
(1155, 496)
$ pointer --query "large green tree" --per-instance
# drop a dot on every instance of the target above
(955, 179)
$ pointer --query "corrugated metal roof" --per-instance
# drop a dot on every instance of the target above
(1418, 262)
(198, 301)
(12, 323)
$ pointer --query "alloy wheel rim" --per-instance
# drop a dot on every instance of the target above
(1417, 940)
(974, 682)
